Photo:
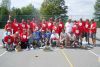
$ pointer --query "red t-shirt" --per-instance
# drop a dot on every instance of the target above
(24, 37)
(28, 26)
(23, 25)
(93, 27)
(16, 40)
(15, 26)
(43, 26)
(76, 31)
(74, 27)
(8, 27)
(81, 27)
(61, 26)
(9, 39)
(86, 27)
(56, 29)
(33, 25)
(49, 26)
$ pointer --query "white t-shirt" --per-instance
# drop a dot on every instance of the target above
(54, 36)
(68, 27)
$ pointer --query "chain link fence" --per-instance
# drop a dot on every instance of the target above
(4, 18)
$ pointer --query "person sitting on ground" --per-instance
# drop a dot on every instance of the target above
(36, 35)
(24, 39)
(54, 39)
(43, 38)
(48, 35)
(73, 40)
(62, 39)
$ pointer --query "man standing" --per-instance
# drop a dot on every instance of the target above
(81, 27)
(50, 24)
(15, 25)
(86, 30)
(68, 30)
(93, 29)
(61, 26)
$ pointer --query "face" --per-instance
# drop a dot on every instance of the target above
(59, 20)
(53, 31)
(22, 20)
(43, 21)
(15, 20)
(69, 20)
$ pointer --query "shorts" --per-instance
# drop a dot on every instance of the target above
(86, 35)
(93, 35)
(53, 43)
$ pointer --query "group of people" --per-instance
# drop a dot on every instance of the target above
(52, 33)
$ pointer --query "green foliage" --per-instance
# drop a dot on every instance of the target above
(27, 12)
(6, 4)
(4, 11)
(97, 10)
(53, 8)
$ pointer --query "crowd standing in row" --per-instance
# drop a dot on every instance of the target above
(53, 33)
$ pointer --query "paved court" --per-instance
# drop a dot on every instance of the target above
(69, 57)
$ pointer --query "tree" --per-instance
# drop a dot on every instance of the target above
(28, 10)
(6, 4)
(97, 10)
(16, 11)
(53, 8)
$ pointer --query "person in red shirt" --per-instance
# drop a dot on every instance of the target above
(33, 25)
(86, 30)
(8, 26)
(24, 39)
(56, 28)
(76, 31)
(60, 25)
(17, 42)
(17, 39)
(23, 25)
(9, 42)
(74, 25)
(15, 26)
(43, 25)
(93, 30)
(81, 28)
(50, 24)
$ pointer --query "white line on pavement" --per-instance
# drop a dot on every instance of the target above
(93, 53)
(3, 53)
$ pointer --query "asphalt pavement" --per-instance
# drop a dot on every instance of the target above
(67, 57)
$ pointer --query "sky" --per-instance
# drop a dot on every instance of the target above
(76, 8)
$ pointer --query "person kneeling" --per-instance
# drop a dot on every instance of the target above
(9, 42)
(54, 39)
